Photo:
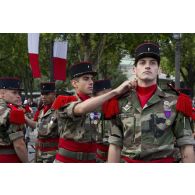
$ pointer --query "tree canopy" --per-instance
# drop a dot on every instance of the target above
(104, 50)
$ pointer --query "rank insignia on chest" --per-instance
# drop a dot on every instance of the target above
(167, 109)
(95, 117)
(126, 108)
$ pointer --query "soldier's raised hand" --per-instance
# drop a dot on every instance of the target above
(126, 87)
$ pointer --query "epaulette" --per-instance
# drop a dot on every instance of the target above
(184, 105)
(62, 100)
(110, 108)
(16, 116)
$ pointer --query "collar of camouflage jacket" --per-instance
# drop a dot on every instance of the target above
(43, 112)
(156, 97)
(145, 93)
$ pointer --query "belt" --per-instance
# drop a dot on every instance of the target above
(77, 155)
(161, 160)
(102, 154)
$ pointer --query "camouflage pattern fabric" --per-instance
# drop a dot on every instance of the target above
(103, 133)
(47, 143)
(150, 133)
(8, 132)
(81, 129)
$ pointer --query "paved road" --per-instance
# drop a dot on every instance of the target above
(31, 144)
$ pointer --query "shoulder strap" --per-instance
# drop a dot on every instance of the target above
(62, 100)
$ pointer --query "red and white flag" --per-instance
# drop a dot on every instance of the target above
(60, 60)
(33, 51)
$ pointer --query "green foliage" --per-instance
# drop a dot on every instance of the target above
(102, 49)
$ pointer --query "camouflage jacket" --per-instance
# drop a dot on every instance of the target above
(103, 129)
(103, 133)
(8, 132)
(47, 142)
(47, 125)
(80, 129)
(150, 133)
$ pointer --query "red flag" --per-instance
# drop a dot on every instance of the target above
(33, 50)
(59, 60)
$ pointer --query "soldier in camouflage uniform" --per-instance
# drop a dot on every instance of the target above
(12, 145)
(103, 121)
(46, 124)
(150, 121)
(77, 132)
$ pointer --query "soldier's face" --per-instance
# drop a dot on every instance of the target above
(147, 70)
(83, 84)
(12, 97)
(48, 98)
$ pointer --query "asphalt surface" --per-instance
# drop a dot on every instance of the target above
(32, 135)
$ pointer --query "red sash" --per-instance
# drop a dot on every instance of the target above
(42, 141)
(104, 149)
(161, 160)
(8, 158)
(75, 147)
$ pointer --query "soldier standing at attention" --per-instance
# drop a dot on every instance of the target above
(12, 145)
(46, 124)
(152, 120)
(103, 116)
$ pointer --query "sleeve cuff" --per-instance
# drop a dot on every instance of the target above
(187, 140)
(16, 135)
(115, 141)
